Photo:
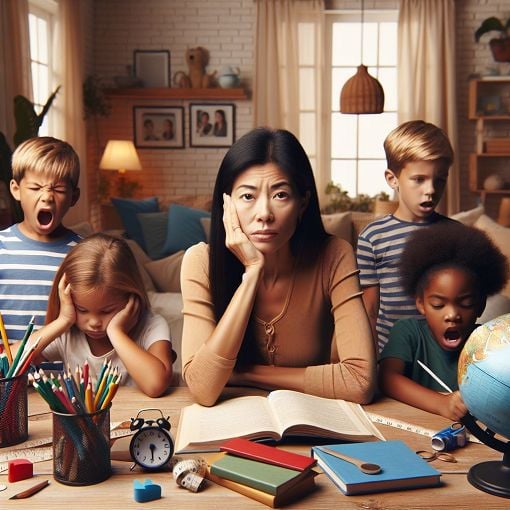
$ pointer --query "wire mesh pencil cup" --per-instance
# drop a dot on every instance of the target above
(81, 447)
(13, 410)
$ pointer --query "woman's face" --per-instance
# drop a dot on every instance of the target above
(268, 206)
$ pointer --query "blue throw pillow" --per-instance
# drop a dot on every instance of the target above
(128, 209)
(184, 228)
(154, 227)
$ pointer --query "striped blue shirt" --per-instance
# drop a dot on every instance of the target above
(27, 269)
(380, 246)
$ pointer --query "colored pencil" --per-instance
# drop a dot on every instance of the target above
(5, 340)
(434, 376)
(16, 359)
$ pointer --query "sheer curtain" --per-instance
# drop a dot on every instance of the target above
(426, 74)
(15, 76)
(280, 63)
(68, 113)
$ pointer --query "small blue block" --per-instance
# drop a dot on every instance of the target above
(146, 491)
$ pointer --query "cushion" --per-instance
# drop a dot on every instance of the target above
(128, 210)
(339, 224)
(166, 273)
(206, 225)
(184, 228)
(83, 229)
(469, 217)
(500, 236)
(141, 259)
(154, 227)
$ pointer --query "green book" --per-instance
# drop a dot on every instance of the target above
(259, 475)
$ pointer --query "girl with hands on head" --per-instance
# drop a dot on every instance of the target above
(98, 310)
(273, 301)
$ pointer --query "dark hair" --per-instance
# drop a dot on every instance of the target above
(451, 244)
(258, 147)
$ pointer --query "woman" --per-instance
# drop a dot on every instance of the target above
(220, 123)
(273, 301)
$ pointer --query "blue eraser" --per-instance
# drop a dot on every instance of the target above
(146, 491)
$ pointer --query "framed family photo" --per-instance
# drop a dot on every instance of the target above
(152, 67)
(212, 125)
(159, 127)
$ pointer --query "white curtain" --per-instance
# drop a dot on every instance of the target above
(15, 76)
(426, 74)
(68, 113)
(277, 98)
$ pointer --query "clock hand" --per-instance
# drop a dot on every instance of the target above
(152, 448)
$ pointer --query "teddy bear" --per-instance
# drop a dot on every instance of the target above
(197, 59)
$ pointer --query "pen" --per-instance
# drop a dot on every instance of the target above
(434, 376)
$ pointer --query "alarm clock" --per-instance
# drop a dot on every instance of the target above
(152, 446)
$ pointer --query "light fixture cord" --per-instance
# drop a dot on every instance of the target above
(362, 25)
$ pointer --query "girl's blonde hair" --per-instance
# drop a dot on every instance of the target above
(46, 155)
(99, 262)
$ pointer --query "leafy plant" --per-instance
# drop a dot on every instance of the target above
(28, 123)
(493, 24)
(339, 200)
(94, 99)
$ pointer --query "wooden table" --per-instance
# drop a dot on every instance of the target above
(117, 492)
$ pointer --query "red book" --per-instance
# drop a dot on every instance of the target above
(268, 454)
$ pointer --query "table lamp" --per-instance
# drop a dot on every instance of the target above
(121, 155)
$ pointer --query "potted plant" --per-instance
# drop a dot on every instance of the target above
(500, 46)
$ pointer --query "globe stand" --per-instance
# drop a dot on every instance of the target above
(491, 476)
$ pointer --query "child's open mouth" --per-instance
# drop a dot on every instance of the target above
(427, 205)
(44, 218)
(452, 337)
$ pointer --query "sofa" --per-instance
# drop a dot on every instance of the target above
(161, 275)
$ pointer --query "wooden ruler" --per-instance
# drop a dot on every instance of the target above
(408, 427)
(35, 450)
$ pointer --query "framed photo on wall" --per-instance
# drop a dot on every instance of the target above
(152, 67)
(158, 127)
(212, 125)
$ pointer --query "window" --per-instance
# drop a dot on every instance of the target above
(357, 154)
(40, 21)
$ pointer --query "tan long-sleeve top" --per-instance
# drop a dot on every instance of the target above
(323, 326)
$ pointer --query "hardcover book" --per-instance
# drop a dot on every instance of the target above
(257, 451)
(282, 413)
(284, 497)
(401, 468)
(264, 477)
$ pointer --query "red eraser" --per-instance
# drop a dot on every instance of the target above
(20, 469)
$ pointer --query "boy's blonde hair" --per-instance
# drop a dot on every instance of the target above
(417, 140)
(99, 262)
(46, 155)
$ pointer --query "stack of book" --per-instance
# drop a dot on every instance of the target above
(265, 473)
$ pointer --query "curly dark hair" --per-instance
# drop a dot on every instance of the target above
(451, 244)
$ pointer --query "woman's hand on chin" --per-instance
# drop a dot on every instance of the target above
(236, 240)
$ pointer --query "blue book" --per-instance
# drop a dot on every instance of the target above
(401, 467)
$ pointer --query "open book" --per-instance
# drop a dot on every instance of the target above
(281, 414)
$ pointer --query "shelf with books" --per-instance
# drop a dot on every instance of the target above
(489, 106)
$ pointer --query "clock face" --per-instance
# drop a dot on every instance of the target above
(151, 447)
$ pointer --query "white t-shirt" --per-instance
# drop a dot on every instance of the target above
(73, 349)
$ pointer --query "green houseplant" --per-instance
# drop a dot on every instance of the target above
(28, 123)
(500, 46)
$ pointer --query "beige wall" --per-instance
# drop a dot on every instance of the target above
(226, 29)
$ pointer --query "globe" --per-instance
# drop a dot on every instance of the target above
(484, 384)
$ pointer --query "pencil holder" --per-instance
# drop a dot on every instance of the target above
(81, 447)
(13, 410)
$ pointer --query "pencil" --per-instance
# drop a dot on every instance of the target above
(434, 376)
(31, 491)
(15, 361)
(5, 340)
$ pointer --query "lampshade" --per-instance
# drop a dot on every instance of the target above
(120, 155)
(362, 94)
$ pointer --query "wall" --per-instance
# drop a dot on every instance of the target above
(226, 29)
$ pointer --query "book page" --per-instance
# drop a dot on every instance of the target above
(242, 416)
(324, 415)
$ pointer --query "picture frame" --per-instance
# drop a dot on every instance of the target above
(152, 67)
(212, 132)
(158, 127)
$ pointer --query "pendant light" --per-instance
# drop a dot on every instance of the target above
(362, 94)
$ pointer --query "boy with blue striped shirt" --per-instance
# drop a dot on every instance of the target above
(45, 182)
(419, 156)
